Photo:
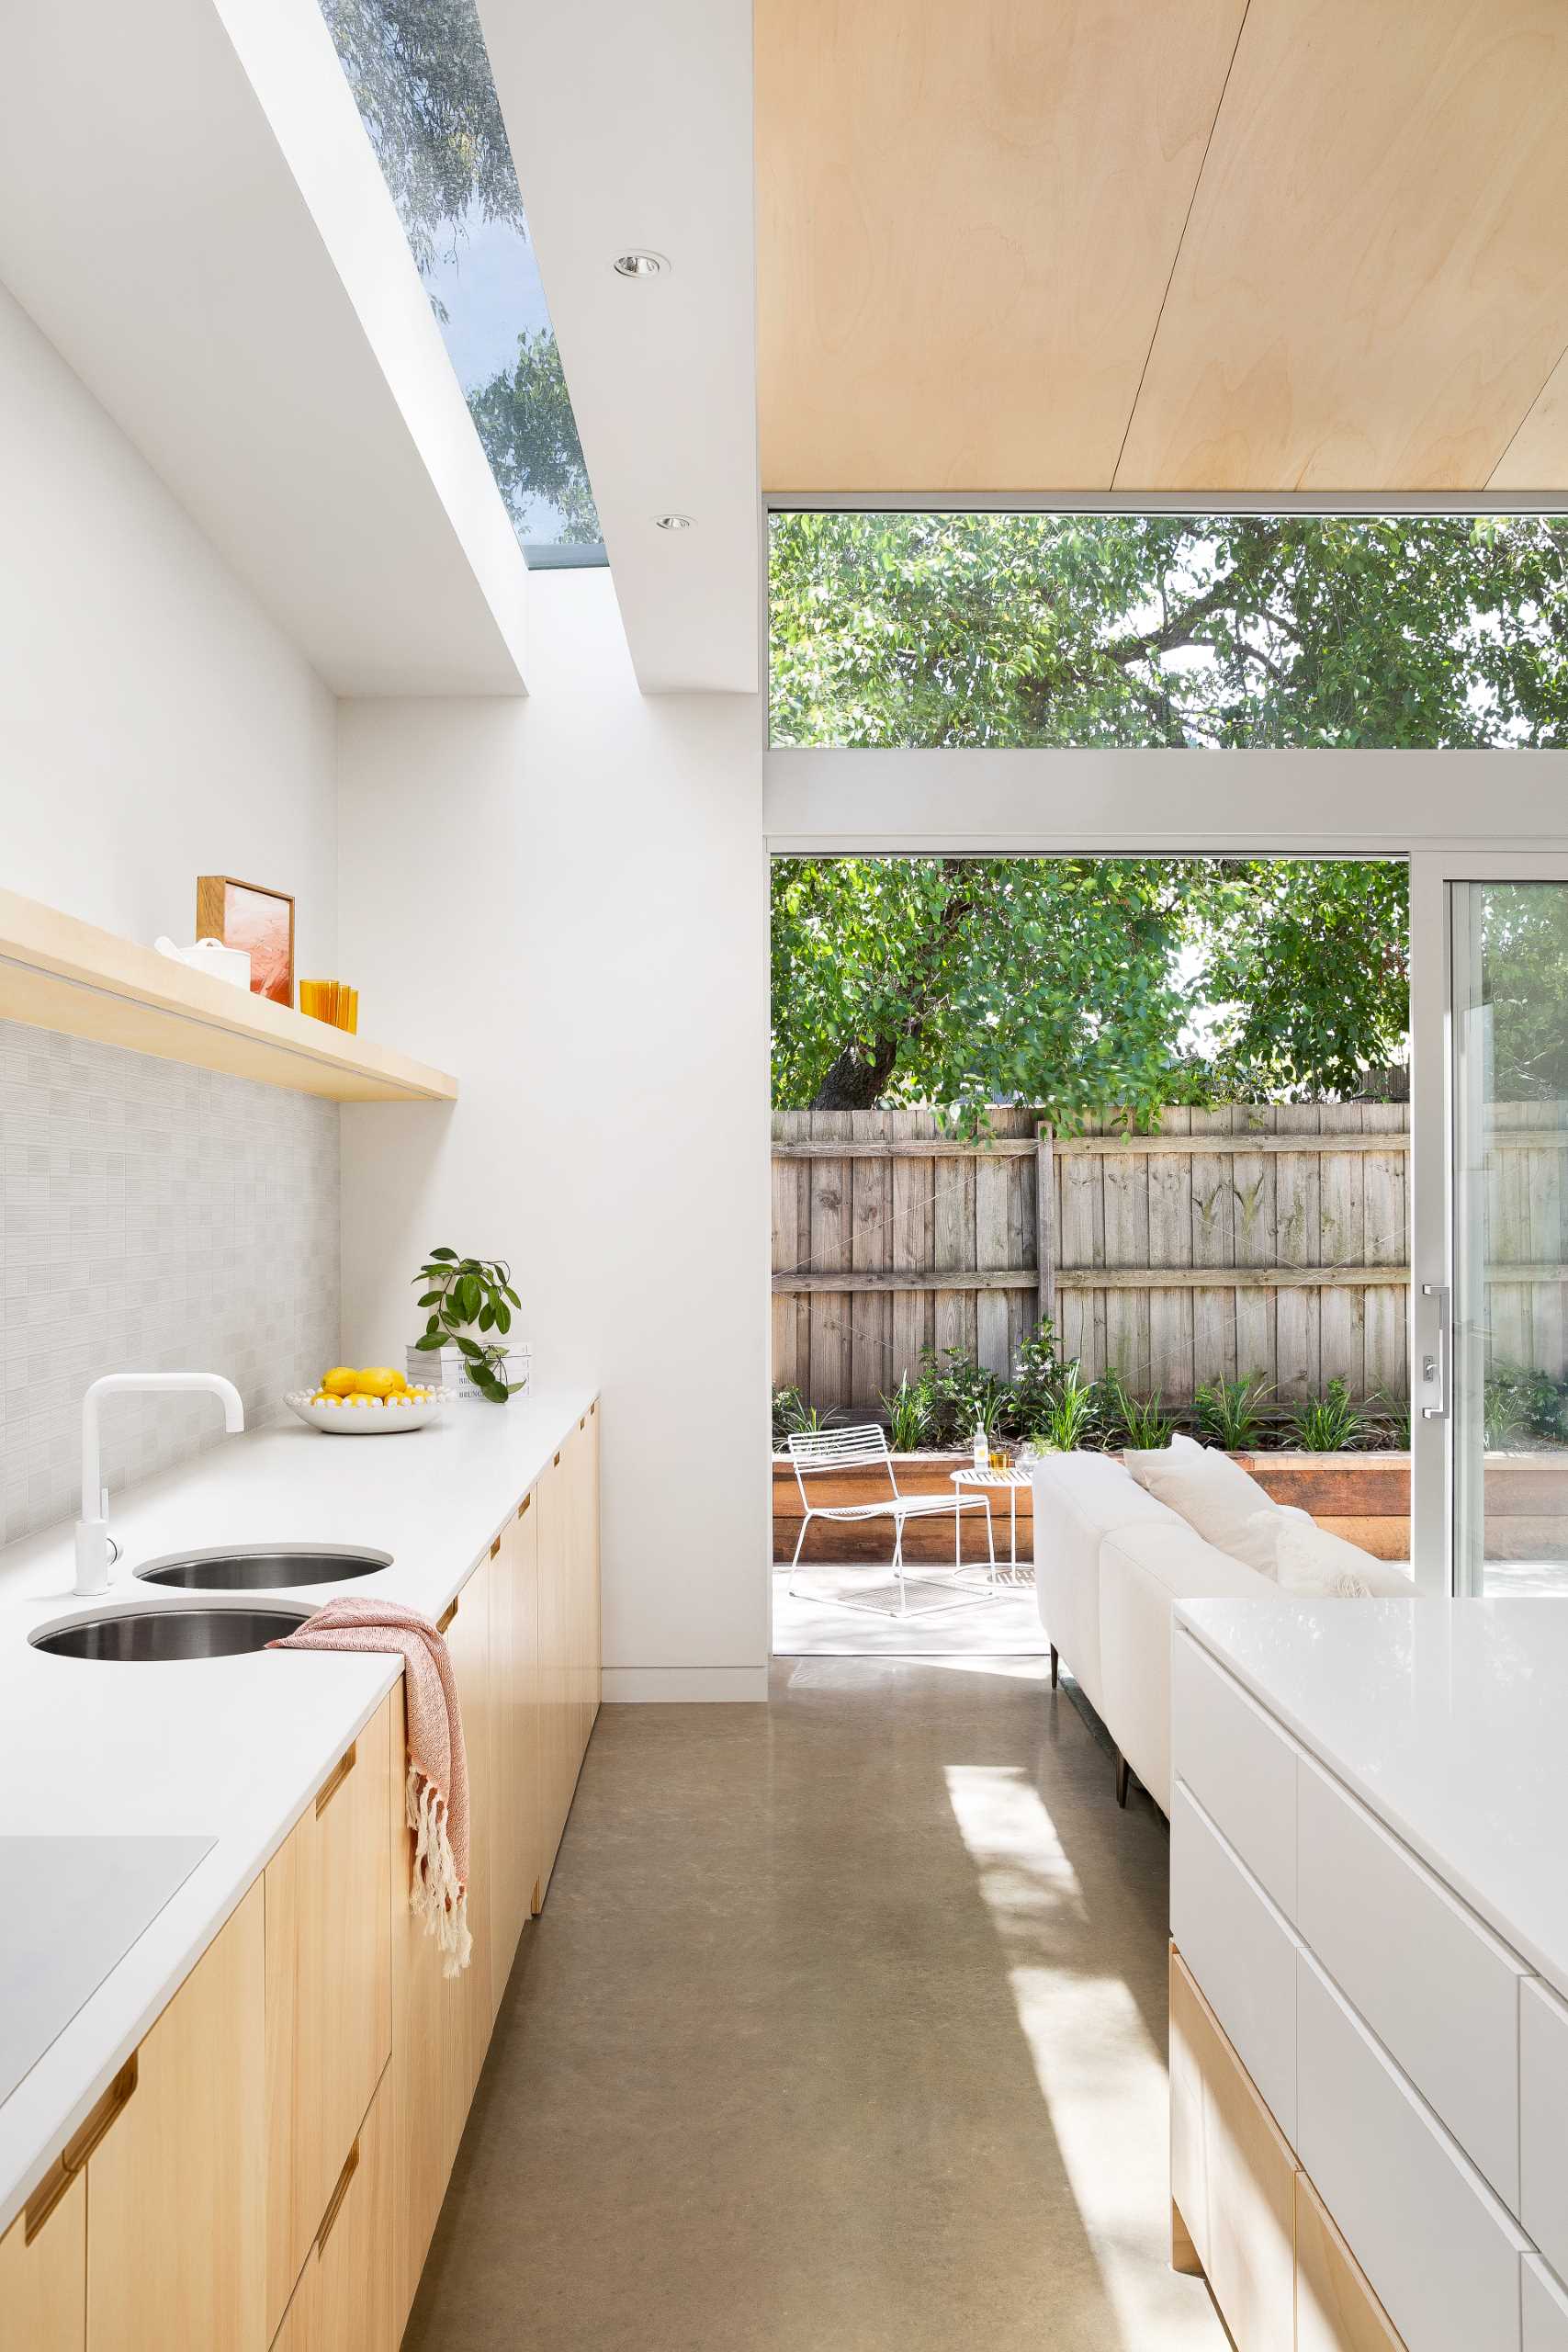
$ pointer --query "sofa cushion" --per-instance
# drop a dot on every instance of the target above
(1309, 1561)
(1078, 1498)
(1215, 1496)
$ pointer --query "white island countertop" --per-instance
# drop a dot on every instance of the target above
(1448, 1719)
(231, 1750)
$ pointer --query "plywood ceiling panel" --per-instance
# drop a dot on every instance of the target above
(1373, 284)
(968, 219)
(1537, 457)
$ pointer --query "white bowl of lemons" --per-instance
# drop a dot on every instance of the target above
(370, 1403)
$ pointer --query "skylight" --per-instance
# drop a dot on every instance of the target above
(421, 80)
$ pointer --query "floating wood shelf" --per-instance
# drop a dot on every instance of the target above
(57, 973)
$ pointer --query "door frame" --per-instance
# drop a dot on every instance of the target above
(1434, 873)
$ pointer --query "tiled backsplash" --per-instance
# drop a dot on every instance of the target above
(153, 1219)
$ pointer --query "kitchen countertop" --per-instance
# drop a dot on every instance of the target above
(1449, 1720)
(227, 1748)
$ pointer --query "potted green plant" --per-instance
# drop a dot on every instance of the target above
(469, 1302)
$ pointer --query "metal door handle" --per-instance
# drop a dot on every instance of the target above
(1440, 1367)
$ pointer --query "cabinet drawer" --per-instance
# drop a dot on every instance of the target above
(1437, 1987)
(1232, 2175)
(329, 1992)
(1336, 2309)
(1240, 1949)
(43, 2280)
(1440, 2253)
(1544, 2131)
(344, 2299)
(1239, 1766)
(1546, 2309)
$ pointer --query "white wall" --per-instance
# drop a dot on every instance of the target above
(564, 901)
(153, 723)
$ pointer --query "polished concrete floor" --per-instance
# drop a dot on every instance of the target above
(842, 2031)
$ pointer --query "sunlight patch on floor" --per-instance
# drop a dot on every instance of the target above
(1103, 2080)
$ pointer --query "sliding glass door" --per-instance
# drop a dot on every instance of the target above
(1490, 1033)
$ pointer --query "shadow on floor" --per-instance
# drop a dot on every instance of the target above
(843, 2029)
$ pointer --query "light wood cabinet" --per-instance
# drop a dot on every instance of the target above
(177, 2187)
(1336, 2309)
(515, 1807)
(441, 2024)
(558, 1726)
(429, 2051)
(328, 1995)
(268, 2168)
(43, 2280)
(469, 1643)
(583, 1573)
(1233, 2177)
(344, 2298)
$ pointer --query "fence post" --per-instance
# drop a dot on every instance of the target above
(1045, 1220)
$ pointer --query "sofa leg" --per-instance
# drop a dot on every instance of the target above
(1124, 1777)
(1055, 1662)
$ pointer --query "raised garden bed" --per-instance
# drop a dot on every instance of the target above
(1363, 1497)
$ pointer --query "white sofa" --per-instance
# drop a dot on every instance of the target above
(1110, 1560)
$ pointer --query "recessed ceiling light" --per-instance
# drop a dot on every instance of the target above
(674, 522)
(640, 263)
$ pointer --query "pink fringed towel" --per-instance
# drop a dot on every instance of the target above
(438, 1771)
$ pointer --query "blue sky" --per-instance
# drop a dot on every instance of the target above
(493, 292)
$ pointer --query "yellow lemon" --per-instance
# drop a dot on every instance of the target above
(378, 1380)
(341, 1381)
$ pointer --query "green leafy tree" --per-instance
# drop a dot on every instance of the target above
(524, 418)
(421, 80)
(1522, 946)
(1228, 631)
(1081, 985)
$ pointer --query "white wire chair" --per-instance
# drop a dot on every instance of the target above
(820, 1452)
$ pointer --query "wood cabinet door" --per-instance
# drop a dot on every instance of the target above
(514, 1836)
(583, 1464)
(328, 1995)
(558, 1726)
(440, 2024)
(428, 2040)
(468, 1640)
(1336, 2309)
(43, 2285)
(344, 2300)
(1233, 2176)
(176, 2188)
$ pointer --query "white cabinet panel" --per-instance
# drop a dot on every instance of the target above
(1240, 1950)
(1437, 1987)
(1239, 1766)
(1543, 2120)
(1438, 2247)
(1546, 2309)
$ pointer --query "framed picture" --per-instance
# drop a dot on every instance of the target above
(242, 914)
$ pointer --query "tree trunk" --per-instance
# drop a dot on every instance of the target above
(855, 1081)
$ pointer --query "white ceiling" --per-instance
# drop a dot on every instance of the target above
(231, 284)
(631, 126)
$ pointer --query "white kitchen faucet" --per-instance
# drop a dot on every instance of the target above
(93, 1550)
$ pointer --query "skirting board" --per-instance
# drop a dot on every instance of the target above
(652, 1686)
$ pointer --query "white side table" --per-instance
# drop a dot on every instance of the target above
(1009, 1480)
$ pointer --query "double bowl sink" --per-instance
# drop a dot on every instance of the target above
(222, 1630)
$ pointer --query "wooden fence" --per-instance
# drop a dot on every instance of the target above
(1233, 1241)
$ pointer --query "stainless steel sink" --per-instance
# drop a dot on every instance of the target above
(263, 1567)
(133, 1635)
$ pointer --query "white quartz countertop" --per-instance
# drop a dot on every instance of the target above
(227, 1748)
(1448, 1719)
